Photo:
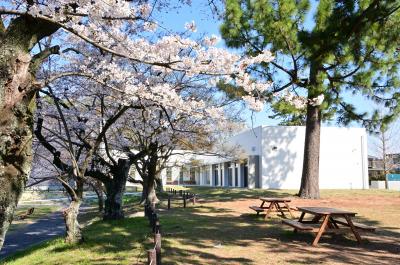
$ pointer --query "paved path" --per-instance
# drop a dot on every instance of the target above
(43, 229)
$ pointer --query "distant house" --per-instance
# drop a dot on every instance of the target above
(272, 158)
(376, 168)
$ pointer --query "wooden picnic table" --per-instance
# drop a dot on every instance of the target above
(330, 222)
(275, 205)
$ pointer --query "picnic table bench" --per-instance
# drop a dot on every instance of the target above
(332, 218)
(275, 205)
(26, 214)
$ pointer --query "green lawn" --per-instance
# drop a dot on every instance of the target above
(220, 229)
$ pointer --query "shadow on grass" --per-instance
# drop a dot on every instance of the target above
(204, 227)
(206, 234)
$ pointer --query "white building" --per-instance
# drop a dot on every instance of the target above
(273, 159)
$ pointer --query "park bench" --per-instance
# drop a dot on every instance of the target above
(280, 205)
(26, 214)
(180, 195)
(258, 209)
(331, 219)
(359, 226)
(298, 225)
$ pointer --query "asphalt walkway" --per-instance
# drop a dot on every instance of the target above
(42, 230)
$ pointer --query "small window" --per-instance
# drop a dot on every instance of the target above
(169, 174)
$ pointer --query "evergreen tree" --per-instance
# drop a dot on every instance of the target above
(333, 48)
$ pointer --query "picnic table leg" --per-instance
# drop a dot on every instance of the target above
(288, 207)
(316, 218)
(333, 222)
(280, 209)
(321, 230)
(300, 220)
(302, 216)
(353, 229)
(271, 206)
(262, 204)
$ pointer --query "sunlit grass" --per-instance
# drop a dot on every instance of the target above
(220, 229)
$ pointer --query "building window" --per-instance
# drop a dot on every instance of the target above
(169, 175)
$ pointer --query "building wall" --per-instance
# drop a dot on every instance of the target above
(343, 158)
(275, 159)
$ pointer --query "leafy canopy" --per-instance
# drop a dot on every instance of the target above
(334, 48)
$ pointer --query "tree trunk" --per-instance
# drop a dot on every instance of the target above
(309, 187)
(160, 186)
(149, 193)
(98, 188)
(115, 189)
(384, 158)
(16, 121)
(17, 106)
(73, 229)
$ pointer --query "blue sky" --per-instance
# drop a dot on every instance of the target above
(206, 24)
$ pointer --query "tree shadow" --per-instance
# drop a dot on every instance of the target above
(215, 234)
(201, 226)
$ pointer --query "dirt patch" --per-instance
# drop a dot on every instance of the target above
(228, 232)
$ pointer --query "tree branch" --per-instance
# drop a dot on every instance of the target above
(41, 56)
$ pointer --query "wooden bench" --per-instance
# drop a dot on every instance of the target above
(297, 225)
(357, 226)
(25, 215)
(258, 209)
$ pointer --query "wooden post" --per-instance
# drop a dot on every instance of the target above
(156, 223)
(184, 201)
(151, 257)
(153, 221)
(194, 199)
(157, 240)
(169, 202)
(157, 229)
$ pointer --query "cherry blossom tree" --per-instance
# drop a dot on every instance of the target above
(116, 28)
(77, 137)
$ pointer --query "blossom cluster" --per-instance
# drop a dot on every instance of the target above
(300, 102)
(122, 28)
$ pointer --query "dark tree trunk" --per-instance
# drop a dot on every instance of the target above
(115, 189)
(73, 229)
(310, 178)
(98, 188)
(159, 183)
(149, 195)
(17, 106)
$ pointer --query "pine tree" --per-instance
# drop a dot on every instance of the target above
(328, 47)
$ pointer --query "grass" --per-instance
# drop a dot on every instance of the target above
(220, 229)
(117, 242)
